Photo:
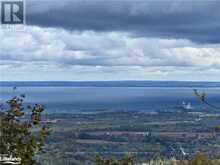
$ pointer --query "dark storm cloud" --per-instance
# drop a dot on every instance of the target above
(198, 21)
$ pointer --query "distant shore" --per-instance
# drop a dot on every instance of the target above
(127, 83)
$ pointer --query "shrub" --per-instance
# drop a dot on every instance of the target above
(21, 133)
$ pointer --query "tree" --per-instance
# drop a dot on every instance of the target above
(22, 134)
(203, 98)
(198, 159)
(127, 160)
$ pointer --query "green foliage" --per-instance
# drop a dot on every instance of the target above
(217, 128)
(199, 159)
(128, 160)
(158, 162)
(21, 133)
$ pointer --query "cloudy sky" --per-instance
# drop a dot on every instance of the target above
(114, 40)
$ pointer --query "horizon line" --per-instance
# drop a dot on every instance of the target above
(214, 81)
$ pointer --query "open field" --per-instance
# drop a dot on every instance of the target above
(114, 134)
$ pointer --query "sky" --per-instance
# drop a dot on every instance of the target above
(72, 40)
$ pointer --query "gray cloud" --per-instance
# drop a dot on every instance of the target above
(115, 39)
(107, 49)
(194, 20)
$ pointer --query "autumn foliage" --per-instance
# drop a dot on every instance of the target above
(21, 132)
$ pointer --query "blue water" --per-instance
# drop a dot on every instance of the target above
(109, 84)
(71, 99)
